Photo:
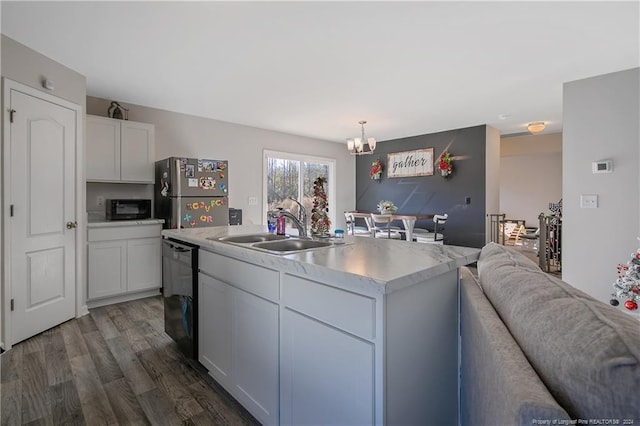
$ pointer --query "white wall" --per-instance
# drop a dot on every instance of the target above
(530, 175)
(184, 135)
(601, 121)
(492, 176)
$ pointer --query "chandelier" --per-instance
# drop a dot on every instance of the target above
(356, 145)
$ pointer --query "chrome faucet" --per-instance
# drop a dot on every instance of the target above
(302, 229)
(302, 214)
(300, 222)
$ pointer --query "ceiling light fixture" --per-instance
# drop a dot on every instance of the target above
(536, 127)
(356, 145)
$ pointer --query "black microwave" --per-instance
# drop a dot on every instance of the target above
(128, 209)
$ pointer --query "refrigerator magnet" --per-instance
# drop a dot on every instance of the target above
(190, 172)
(207, 182)
(183, 164)
(207, 166)
(192, 183)
(221, 166)
(221, 175)
(199, 165)
(222, 187)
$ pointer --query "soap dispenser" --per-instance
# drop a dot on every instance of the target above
(280, 225)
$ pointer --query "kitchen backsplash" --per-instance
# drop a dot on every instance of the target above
(113, 190)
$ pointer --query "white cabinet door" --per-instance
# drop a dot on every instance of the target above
(255, 355)
(144, 264)
(107, 268)
(137, 152)
(103, 149)
(214, 335)
(327, 374)
(119, 150)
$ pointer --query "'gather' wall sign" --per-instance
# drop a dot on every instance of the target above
(410, 163)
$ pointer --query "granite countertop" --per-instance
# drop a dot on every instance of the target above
(115, 223)
(385, 265)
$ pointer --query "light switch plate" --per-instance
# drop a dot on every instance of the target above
(99, 200)
(588, 201)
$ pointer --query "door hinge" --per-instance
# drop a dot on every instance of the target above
(11, 114)
(11, 210)
(12, 305)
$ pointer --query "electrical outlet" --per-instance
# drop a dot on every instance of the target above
(253, 201)
(588, 201)
(100, 200)
(467, 200)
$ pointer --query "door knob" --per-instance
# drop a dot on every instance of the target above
(71, 225)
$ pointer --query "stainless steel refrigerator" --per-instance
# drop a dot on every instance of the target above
(192, 192)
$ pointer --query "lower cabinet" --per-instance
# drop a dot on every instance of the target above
(214, 319)
(107, 273)
(327, 374)
(238, 341)
(298, 347)
(119, 266)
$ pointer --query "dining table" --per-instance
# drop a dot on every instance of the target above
(408, 220)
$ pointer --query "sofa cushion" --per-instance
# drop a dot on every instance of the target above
(586, 352)
(498, 385)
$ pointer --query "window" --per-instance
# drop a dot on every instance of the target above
(289, 175)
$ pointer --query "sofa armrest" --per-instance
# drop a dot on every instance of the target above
(498, 386)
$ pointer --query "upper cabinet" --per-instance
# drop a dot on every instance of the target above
(119, 151)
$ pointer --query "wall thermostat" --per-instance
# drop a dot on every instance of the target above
(602, 166)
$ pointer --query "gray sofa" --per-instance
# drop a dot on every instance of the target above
(535, 350)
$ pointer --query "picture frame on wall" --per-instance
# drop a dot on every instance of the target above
(418, 162)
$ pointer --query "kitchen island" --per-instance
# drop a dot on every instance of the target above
(359, 333)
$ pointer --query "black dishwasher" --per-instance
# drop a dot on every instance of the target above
(180, 291)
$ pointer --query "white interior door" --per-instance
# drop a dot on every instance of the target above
(41, 227)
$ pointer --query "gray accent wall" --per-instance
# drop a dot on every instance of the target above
(435, 194)
(601, 121)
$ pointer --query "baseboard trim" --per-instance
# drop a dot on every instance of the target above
(84, 310)
(122, 298)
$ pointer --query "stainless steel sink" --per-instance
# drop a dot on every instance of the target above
(291, 245)
(275, 244)
(251, 238)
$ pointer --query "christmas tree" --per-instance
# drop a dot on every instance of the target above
(627, 286)
(320, 222)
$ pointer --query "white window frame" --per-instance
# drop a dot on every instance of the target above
(331, 179)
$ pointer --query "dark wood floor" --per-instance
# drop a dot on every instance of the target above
(114, 366)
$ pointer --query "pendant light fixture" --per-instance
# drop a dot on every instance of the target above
(356, 145)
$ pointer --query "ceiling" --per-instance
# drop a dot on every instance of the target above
(316, 68)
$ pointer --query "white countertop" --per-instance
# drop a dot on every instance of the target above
(385, 265)
(116, 223)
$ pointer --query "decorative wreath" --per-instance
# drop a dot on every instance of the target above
(445, 164)
(376, 170)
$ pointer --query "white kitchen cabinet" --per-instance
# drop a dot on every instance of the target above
(144, 263)
(321, 383)
(119, 151)
(214, 336)
(239, 331)
(255, 354)
(124, 262)
(328, 354)
(107, 274)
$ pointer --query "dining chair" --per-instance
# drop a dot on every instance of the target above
(380, 226)
(352, 229)
(437, 236)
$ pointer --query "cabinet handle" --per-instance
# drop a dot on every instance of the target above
(71, 225)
